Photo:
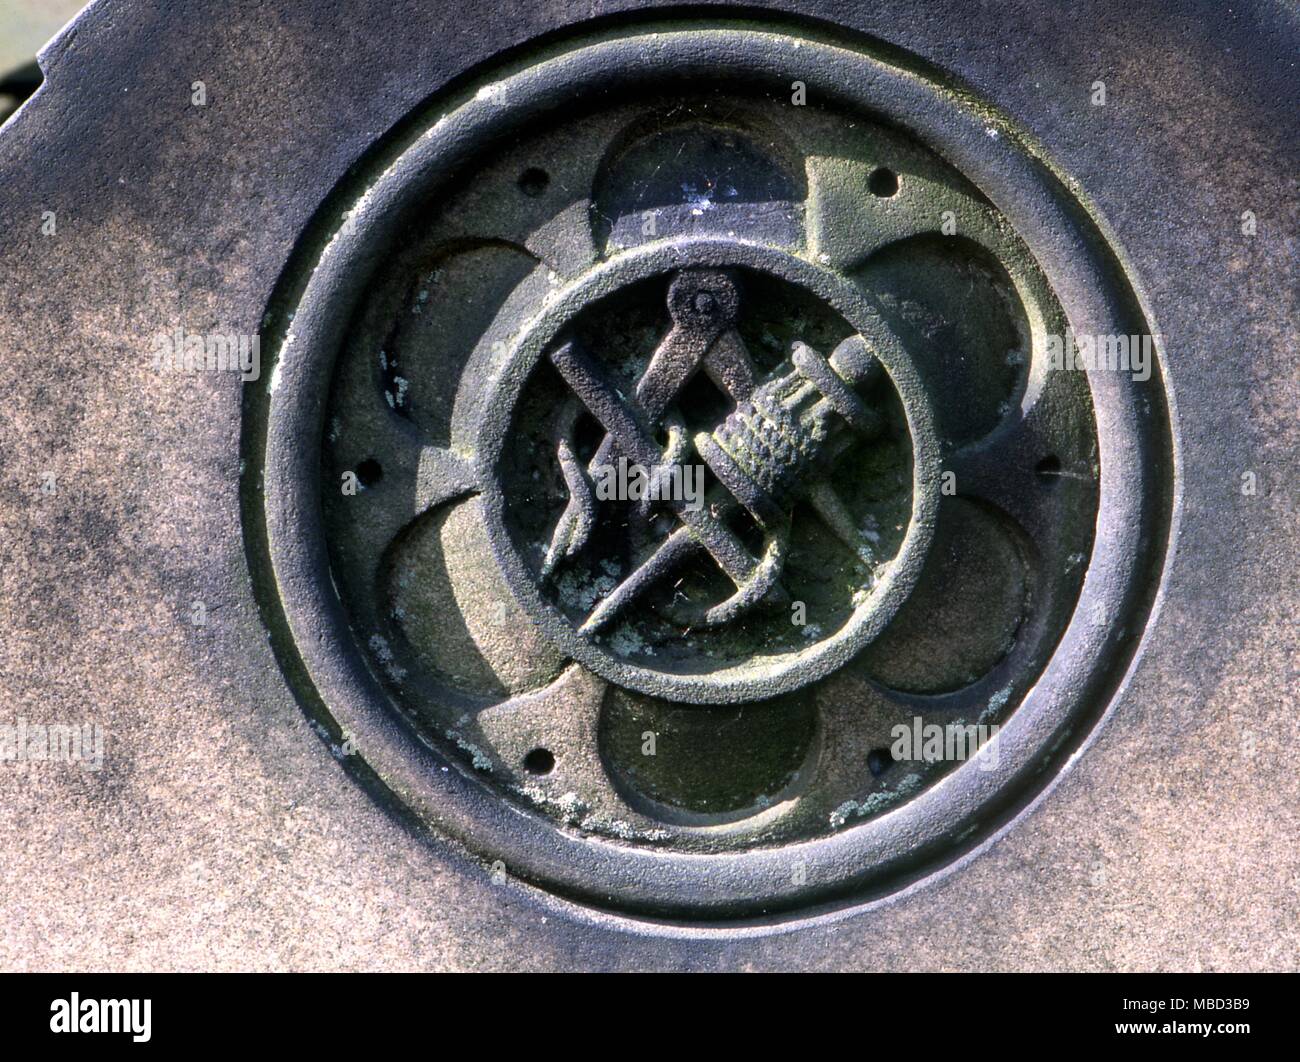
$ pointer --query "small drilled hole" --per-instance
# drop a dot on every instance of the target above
(369, 472)
(879, 761)
(883, 182)
(1049, 468)
(533, 181)
(539, 761)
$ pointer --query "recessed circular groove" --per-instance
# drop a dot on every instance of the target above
(700, 768)
(967, 611)
(844, 410)
(965, 321)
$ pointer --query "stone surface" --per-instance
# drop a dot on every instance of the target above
(221, 833)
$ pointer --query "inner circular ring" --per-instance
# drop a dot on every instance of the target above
(779, 673)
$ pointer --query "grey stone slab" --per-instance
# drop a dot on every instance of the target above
(220, 833)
